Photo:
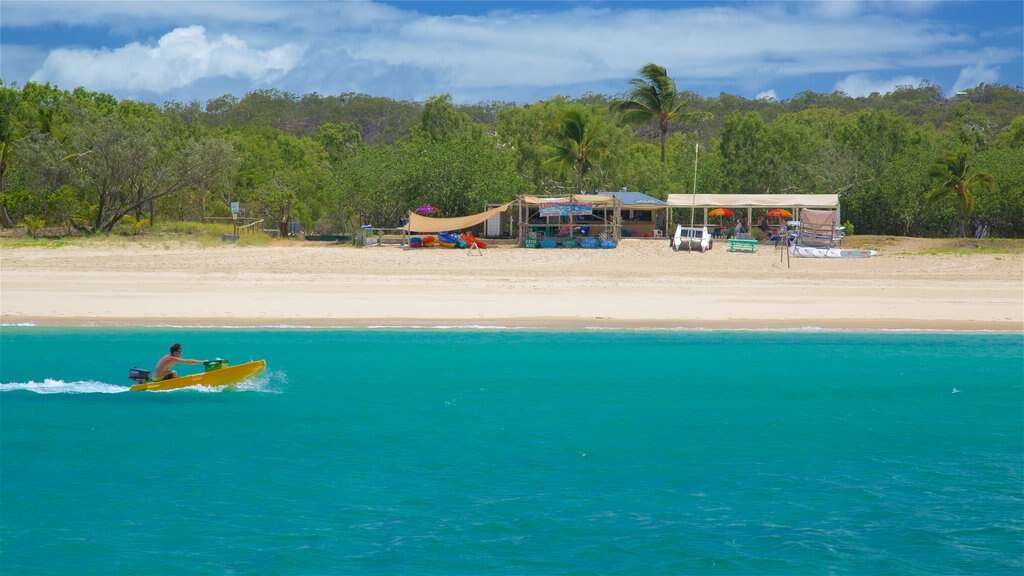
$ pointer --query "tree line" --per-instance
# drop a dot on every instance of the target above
(911, 162)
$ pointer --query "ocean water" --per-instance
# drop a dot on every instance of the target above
(515, 452)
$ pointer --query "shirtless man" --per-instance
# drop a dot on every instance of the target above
(163, 367)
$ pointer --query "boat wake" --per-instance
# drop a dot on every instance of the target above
(266, 382)
(51, 386)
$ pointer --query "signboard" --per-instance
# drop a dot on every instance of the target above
(234, 208)
(566, 209)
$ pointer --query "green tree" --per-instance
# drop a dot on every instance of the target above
(338, 140)
(8, 102)
(743, 146)
(654, 98)
(127, 164)
(578, 146)
(441, 119)
(954, 176)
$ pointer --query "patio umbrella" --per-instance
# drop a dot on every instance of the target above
(720, 212)
(780, 213)
(427, 209)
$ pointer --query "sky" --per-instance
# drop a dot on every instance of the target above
(507, 51)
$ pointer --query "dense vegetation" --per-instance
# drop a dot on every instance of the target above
(86, 162)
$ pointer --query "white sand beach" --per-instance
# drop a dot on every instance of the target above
(641, 284)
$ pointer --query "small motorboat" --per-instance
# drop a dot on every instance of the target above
(469, 239)
(218, 373)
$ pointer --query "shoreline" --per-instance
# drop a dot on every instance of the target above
(530, 324)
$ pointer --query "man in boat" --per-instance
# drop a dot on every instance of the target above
(163, 367)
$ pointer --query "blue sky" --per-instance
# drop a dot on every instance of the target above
(507, 51)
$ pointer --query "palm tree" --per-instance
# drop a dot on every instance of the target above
(654, 97)
(578, 147)
(953, 177)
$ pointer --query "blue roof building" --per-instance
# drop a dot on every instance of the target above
(634, 199)
(639, 213)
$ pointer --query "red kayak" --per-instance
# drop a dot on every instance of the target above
(469, 239)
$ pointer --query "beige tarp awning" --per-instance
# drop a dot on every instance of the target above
(594, 199)
(825, 201)
(425, 224)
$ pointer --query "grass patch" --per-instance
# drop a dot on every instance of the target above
(935, 246)
(165, 235)
(982, 246)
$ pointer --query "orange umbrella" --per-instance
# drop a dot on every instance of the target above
(780, 213)
(720, 212)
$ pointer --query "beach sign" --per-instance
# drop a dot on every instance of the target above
(566, 209)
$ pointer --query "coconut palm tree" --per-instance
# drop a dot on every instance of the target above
(654, 97)
(953, 176)
(578, 147)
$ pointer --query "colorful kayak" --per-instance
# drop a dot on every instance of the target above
(448, 240)
(469, 239)
(225, 376)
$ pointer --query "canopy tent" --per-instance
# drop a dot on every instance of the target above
(750, 201)
(425, 224)
(820, 201)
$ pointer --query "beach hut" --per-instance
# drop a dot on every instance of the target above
(577, 215)
(641, 214)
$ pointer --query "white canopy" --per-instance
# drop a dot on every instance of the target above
(821, 201)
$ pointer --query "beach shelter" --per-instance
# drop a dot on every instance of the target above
(794, 202)
(427, 225)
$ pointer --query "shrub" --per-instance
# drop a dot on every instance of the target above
(33, 225)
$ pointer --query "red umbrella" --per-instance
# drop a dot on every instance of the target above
(427, 209)
(780, 213)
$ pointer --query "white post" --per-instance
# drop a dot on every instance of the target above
(693, 197)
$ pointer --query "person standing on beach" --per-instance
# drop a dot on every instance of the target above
(163, 367)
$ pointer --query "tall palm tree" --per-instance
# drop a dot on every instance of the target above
(578, 147)
(654, 97)
(953, 176)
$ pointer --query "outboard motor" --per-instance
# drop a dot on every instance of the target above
(215, 364)
(139, 375)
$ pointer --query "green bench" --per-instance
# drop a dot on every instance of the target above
(742, 245)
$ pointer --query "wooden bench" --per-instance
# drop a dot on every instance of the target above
(742, 245)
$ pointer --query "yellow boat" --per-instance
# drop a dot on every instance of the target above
(222, 376)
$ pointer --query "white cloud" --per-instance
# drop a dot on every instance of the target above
(863, 85)
(179, 58)
(363, 46)
(971, 76)
(767, 95)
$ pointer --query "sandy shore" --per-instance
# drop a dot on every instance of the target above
(642, 284)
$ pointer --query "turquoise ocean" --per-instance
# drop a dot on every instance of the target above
(517, 452)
